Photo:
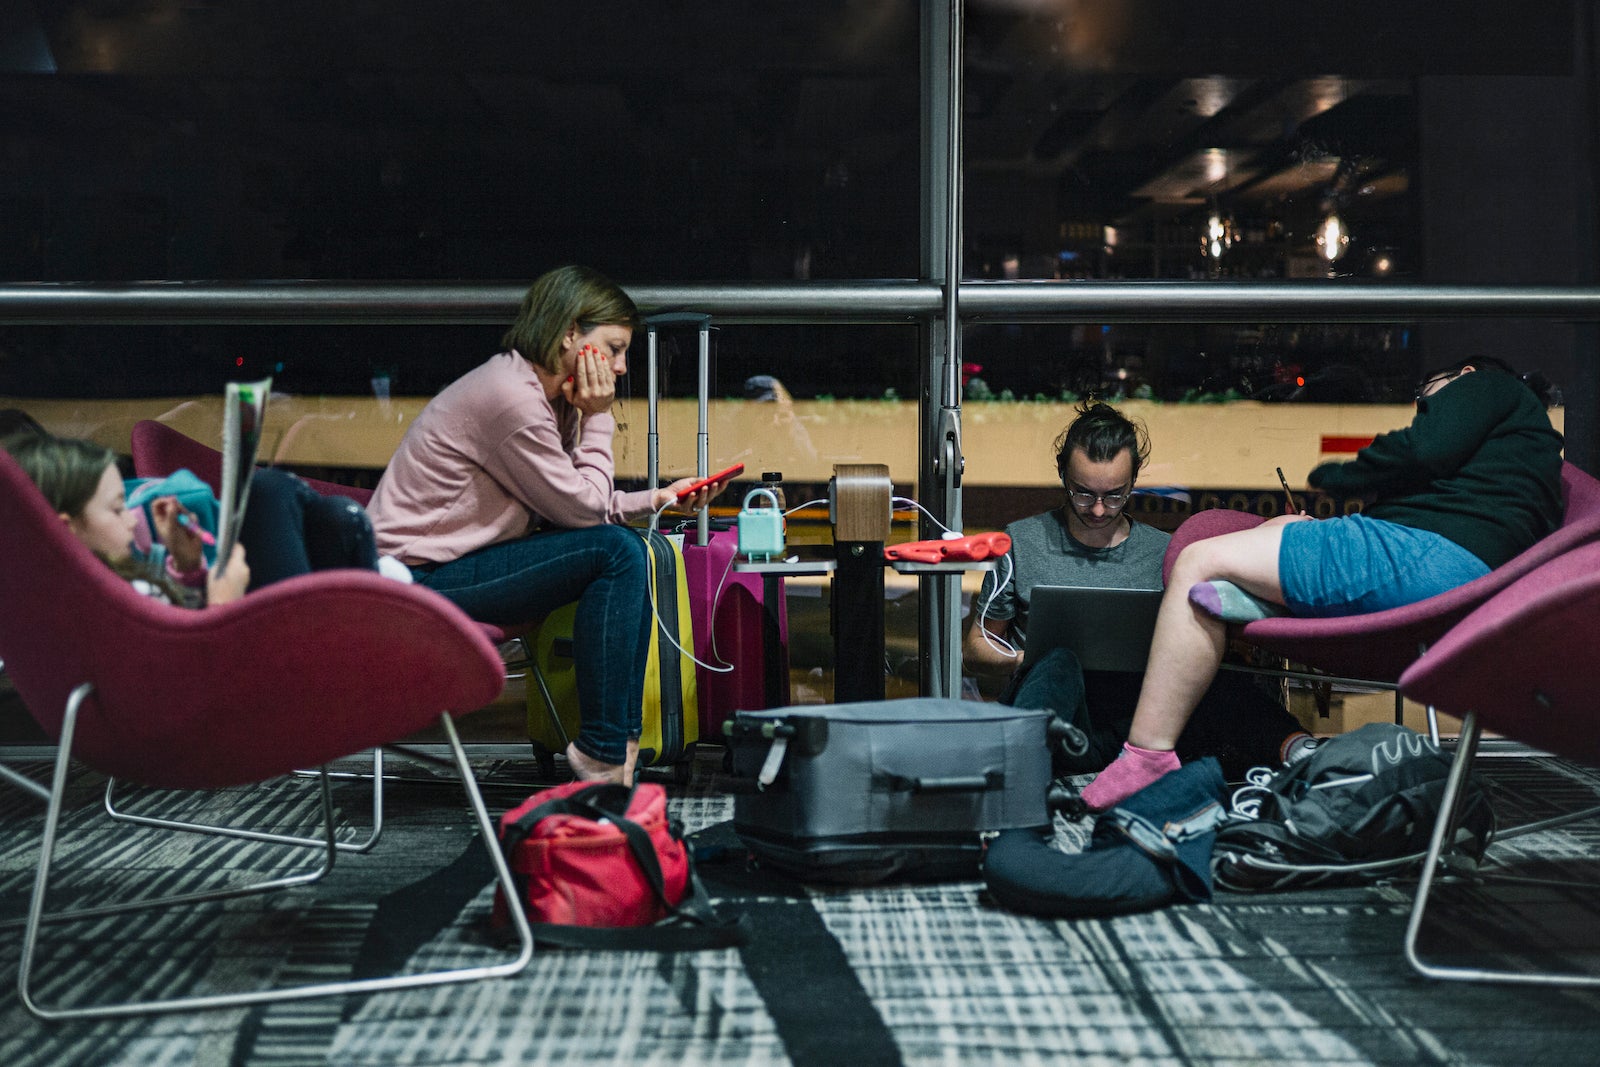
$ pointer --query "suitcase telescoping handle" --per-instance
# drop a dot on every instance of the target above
(702, 323)
(975, 783)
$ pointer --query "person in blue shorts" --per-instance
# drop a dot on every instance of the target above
(1473, 481)
(1092, 540)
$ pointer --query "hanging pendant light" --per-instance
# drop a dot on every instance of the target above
(1217, 236)
(1332, 240)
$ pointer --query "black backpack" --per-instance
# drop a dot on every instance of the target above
(1362, 806)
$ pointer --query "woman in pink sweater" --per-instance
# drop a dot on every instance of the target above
(501, 497)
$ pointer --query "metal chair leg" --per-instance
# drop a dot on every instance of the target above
(47, 848)
(550, 705)
(528, 666)
(23, 782)
(37, 916)
(1547, 824)
(363, 845)
(1443, 830)
(515, 667)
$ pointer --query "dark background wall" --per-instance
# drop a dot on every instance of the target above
(150, 139)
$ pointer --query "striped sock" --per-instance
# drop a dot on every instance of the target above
(1226, 601)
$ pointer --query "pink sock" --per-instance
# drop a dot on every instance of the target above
(1130, 772)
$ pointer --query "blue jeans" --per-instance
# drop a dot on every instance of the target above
(289, 528)
(604, 569)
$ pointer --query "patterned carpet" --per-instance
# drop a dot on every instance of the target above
(907, 974)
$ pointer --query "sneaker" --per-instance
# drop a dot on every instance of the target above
(1300, 747)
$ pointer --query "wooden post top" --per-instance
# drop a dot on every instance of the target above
(861, 501)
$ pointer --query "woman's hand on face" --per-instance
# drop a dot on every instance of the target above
(183, 544)
(228, 581)
(593, 385)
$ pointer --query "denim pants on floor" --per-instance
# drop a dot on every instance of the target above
(604, 569)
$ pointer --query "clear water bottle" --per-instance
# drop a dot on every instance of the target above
(773, 480)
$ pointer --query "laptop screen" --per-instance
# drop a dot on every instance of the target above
(1107, 629)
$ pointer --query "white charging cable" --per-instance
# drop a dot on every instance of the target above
(716, 598)
(655, 531)
(995, 641)
(802, 507)
(948, 533)
(999, 644)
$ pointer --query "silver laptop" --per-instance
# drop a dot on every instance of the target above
(1107, 629)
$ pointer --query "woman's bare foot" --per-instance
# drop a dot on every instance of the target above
(587, 769)
(632, 761)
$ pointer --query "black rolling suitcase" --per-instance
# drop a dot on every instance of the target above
(858, 793)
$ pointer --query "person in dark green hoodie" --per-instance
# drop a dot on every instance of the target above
(1472, 482)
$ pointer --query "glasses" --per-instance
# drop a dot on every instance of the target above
(1427, 383)
(1083, 500)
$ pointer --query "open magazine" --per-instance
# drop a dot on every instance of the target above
(244, 405)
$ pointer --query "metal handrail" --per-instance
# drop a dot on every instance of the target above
(888, 301)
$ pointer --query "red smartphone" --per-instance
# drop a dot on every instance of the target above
(732, 472)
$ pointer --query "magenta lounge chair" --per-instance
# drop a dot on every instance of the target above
(1522, 664)
(235, 694)
(158, 450)
(1374, 649)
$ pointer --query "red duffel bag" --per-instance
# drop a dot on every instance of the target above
(592, 859)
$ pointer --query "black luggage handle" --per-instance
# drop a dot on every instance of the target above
(767, 729)
(975, 783)
(806, 734)
(677, 318)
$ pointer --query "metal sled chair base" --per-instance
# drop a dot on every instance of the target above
(363, 845)
(1316, 677)
(23, 782)
(522, 666)
(1431, 870)
(38, 917)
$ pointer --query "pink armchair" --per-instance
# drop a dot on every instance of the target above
(1521, 664)
(158, 450)
(162, 696)
(1378, 647)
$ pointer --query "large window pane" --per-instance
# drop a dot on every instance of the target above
(492, 140)
(1373, 143)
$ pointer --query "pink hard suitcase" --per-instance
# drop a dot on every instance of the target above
(740, 628)
(739, 631)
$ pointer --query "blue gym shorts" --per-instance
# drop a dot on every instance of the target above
(1354, 565)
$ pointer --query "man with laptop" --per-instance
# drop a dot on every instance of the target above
(1068, 615)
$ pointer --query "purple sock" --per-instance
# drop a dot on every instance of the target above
(1203, 595)
(1130, 772)
(1226, 601)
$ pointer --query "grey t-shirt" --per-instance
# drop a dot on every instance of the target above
(1044, 553)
